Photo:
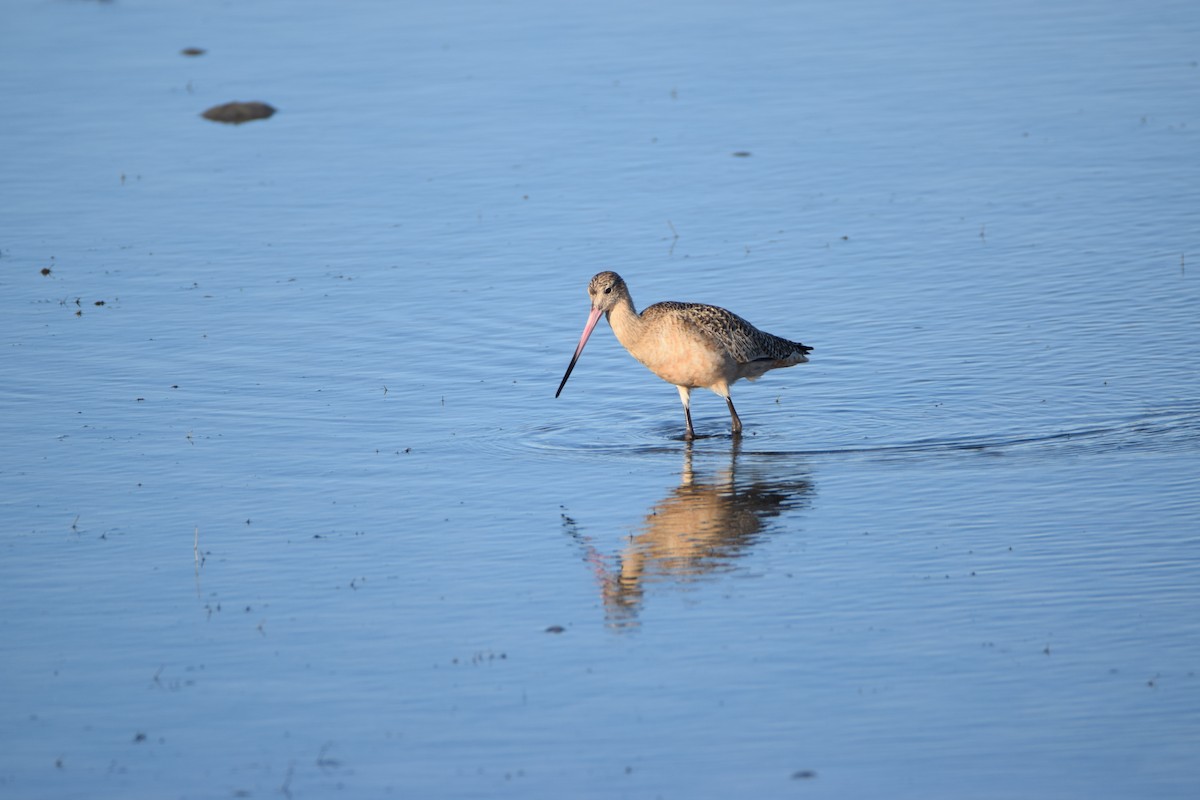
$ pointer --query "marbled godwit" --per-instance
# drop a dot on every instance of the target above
(688, 344)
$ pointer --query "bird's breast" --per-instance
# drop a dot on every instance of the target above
(683, 357)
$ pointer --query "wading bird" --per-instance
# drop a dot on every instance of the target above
(691, 345)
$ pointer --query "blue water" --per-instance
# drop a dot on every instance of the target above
(294, 511)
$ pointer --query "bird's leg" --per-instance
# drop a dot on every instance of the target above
(737, 423)
(685, 396)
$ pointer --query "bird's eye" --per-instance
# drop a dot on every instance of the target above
(608, 290)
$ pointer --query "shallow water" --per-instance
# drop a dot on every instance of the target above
(295, 512)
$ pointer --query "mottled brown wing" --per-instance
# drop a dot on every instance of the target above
(742, 340)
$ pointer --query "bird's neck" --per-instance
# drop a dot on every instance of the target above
(626, 323)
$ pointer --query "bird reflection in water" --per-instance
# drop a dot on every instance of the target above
(702, 527)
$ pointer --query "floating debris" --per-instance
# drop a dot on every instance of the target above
(742, 154)
(192, 51)
(555, 629)
(236, 113)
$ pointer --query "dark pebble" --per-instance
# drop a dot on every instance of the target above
(236, 113)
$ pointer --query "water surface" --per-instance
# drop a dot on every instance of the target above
(289, 507)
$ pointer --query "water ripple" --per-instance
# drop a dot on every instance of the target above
(1171, 428)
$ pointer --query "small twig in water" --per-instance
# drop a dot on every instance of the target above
(286, 787)
(196, 548)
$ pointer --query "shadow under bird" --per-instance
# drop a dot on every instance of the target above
(691, 345)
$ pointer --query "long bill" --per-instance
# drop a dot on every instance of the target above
(593, 318)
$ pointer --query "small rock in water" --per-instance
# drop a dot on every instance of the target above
(236, 113)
